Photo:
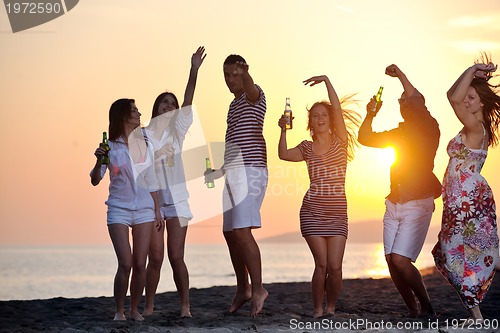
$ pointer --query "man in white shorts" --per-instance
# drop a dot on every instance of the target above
(414, 187)
(245, 168)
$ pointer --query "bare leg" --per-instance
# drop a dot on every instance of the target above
(475, 314)
(318, 247)
(153, 271)
(410, 285)
(250, 253)
(176, 239)
(119, 237)
(243, 289)
(336, 248)
(141, 237)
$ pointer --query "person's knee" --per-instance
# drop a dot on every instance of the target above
(175, 257)
(155, 259)
(334, 270)
(399, 261)
(125, 267)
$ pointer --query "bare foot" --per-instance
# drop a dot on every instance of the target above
(330, 311)
(318, 313)
(147, 312)
(257, 302)
(185, 312)
(119, 316)
(136, 316)
(412, 314)
(430, 313)
(240, 299)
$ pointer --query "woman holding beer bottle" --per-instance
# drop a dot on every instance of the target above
(132, 201)
(167, 130)
(323, 214)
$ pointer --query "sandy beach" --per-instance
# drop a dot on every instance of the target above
(365, 305)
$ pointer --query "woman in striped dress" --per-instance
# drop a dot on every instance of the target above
(323, 215)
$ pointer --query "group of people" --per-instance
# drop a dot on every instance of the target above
(151, 199)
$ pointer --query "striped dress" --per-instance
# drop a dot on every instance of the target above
(324, 207)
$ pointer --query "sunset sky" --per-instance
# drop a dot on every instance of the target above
(59, 79)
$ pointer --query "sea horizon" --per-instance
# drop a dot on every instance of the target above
(74, 271)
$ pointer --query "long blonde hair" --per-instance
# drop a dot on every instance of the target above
(352, 121)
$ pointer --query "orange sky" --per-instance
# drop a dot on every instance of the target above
(59, 79)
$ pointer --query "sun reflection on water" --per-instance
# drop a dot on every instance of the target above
(378, 269)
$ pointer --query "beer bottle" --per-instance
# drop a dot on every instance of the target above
(378, 98)
(105, 145)
(288, 114)
(210, 184)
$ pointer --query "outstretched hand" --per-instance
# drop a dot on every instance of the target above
(393, 71)
(198, 57)
(315, 80)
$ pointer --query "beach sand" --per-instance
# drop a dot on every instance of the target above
(365, 305)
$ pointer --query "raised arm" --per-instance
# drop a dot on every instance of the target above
(458, 92)
(338, 119)
(249, 87)
(292, 155)
(196, 61)
(394, 71)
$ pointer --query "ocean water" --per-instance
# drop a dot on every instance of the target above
(44, 272)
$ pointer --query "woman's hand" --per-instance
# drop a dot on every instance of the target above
(198, 57)
(167, 150)
(283, 121)
(158, 220)
(484, 71)
(100, 152)
(312, 81)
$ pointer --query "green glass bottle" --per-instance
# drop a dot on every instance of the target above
(210, 184)
(105, 145)
(378, 96)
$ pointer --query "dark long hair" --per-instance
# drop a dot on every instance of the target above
(119, 113)
(171, 126)
(489, 96)
(352, 121)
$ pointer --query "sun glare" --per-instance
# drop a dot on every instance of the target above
(387, 156)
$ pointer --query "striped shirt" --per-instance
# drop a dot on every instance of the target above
(245, 144)
(324, 207)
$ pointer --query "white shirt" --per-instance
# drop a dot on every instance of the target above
(172, 179)
(130, 182)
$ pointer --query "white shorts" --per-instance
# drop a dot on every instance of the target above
(118, 215)
(242, 197)
(406, 226)
(179, 209)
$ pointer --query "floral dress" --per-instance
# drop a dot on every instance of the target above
(467, 249)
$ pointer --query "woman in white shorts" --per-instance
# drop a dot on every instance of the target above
(167, 130)
(132, 201)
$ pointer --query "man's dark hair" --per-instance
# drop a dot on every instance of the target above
(233, 58)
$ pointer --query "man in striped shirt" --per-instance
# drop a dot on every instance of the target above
(245, 169)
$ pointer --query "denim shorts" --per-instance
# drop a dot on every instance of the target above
(118, 215)
(406, 226)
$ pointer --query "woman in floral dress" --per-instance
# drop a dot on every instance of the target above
(467, 249)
